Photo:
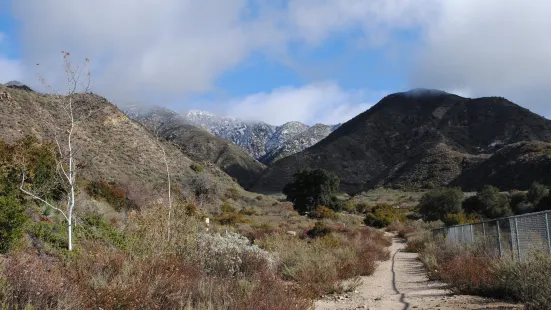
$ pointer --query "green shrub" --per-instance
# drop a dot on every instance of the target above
(377, 222)
(53, 235)
(229, 216)
(38, 160)
(544, 204)
(383, 215)
(459, 218)
(248, 211)
(95, 227)
(536, 193)
(349, 207)
(232, 193)
(436, 204)
(362, 207)
(322, 212)
(519, 203)
(196, 167)
(113, 194)
(12, 222)
(319, 230)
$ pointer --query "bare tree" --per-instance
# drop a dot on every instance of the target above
(64, 139)
(156, 123)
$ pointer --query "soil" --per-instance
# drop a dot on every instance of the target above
(402, 283)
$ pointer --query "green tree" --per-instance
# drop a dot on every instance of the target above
(536, 193)
(12, 221)
(313, 188)
(519, 203)
(436, 204)
(489, 202)
(544, 204)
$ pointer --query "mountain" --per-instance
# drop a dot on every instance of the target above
(17, 85)
(267, 143)
(296, 143)
(199, 144)
(425, 138)
(109, 145)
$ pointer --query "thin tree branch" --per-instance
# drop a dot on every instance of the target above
(38, 198)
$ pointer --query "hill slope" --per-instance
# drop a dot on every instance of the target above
(110, 146)
(420, 138)
(200, 145)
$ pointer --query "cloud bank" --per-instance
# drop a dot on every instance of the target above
(176, 48)
(323, 103)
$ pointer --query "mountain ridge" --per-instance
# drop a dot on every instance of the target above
(258, 138)
(416, 139)
(199, 144)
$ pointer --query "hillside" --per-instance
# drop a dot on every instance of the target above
(420, 139)
(266, 143)
(110, 146)
(200, 145)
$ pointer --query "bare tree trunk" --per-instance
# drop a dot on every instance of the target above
(66, 152)
(169, 190)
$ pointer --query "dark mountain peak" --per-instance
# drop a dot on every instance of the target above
(423, 93)
(414, 139)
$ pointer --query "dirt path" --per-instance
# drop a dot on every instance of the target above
(401, 283)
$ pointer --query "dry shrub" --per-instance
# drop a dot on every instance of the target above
(476, 270)
(30, 280)
(165, 275)
(470, 274)
(319, 266)
(528, 281)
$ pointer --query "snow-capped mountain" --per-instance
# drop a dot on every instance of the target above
(298, 143)
(265, 142)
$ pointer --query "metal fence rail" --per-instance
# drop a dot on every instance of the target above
(518, 236)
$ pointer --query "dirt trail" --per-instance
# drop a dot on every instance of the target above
(401, 283)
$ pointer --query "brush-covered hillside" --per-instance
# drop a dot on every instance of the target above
(199, 144)
(108, 145)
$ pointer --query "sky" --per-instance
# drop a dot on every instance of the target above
(314, 61)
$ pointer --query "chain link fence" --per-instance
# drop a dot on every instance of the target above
(517, 236)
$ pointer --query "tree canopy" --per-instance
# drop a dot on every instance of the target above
(313, 188)
(438, 203)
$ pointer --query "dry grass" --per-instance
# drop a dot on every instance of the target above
(149, 272)
(194, 270)
(319, 266)
(475, 270)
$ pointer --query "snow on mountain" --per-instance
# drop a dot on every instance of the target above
(265, 142)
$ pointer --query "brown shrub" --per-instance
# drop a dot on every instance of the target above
(37, 282)
(469, 274)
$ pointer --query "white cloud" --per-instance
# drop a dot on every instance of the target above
(176, 47)
(171, 46)
(315, 20)
(492, 47)
(315, 103)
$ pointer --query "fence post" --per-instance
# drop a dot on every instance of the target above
(484, 229)
(462, 234)
(518, 241)
(547, 231)
(472, 234)
(499, 239)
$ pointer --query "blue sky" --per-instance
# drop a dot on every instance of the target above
(277, 61)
